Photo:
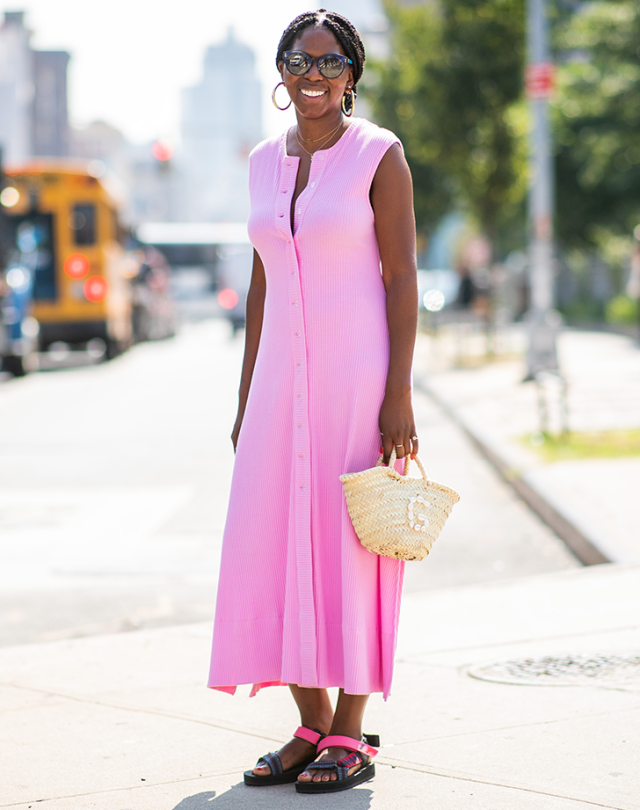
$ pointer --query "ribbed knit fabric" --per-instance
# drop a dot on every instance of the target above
(299, 599)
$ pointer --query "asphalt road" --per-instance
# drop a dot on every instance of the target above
(113, 487)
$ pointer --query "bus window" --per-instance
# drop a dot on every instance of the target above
(83, 223)
(33, 249)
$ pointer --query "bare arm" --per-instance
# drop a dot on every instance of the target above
(392, 202)
(255, 313)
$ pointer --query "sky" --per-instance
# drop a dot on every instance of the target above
(130, 58)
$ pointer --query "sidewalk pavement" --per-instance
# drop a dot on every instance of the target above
(516, 694)
(592, 504)
(124, 722)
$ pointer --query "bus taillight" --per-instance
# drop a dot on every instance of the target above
(76, 265)
(96, 289)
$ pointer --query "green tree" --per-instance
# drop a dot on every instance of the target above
(597, 125)
(451, 89)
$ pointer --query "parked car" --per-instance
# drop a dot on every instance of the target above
(153, 312)
(18, 329)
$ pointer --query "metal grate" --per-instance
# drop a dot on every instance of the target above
(612, 670)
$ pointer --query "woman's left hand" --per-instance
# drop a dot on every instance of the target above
(397, 425)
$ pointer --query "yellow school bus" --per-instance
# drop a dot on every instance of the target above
(64, 229)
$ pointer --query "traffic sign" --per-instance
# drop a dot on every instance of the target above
(539, 80)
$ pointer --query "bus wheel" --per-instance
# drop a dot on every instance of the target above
(14, 365)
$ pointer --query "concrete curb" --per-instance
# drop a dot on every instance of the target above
(584, 544)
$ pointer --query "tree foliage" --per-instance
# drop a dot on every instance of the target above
(597, 123)
(451, 89)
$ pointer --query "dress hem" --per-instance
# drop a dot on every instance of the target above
(256, 687)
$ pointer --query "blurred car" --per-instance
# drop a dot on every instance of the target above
(18, 330)
(234, 278)
(437, 289)
(153, 315)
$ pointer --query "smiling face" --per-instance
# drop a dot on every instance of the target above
(314, 95)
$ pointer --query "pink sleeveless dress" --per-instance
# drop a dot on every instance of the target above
(299, 599)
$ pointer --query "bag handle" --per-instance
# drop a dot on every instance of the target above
(407, 464)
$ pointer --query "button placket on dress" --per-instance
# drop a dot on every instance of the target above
(301, 432)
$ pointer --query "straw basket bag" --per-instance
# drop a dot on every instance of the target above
(395, 515)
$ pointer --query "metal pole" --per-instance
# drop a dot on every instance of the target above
(542, 320)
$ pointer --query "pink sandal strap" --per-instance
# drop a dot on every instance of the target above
(338, 741)
(308, 734)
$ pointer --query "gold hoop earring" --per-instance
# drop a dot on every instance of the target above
(273, 98)
(348, 110)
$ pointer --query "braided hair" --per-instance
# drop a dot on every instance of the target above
(344, 31)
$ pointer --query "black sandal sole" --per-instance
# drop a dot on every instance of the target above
(363, 775)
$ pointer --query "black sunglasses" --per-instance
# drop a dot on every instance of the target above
(331, 65)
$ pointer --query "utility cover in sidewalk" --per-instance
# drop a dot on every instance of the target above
(609, 670)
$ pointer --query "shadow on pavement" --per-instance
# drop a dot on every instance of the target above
(275, 798)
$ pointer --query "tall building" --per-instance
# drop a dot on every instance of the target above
(50, 114)
(33, 95)
(16, 88)
(370, 19)
(221, 123)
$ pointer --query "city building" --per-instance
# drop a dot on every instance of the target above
(50, 115)
(369, 18)
(146, 170)
(33, 95)
(221, 123)
(16, 88)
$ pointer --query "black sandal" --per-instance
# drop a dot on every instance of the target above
(360, 751)
(278, 776)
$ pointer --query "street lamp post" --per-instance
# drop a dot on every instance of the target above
(542, 319)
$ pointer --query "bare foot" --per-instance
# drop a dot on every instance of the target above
(314, 775)
(293, 753)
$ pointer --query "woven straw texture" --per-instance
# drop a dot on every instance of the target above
(395, 515)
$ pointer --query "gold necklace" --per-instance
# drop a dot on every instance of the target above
(314, 140)
(304, 149)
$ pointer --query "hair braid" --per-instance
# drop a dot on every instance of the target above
(344, 31)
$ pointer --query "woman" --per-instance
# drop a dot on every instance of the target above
(326, 372)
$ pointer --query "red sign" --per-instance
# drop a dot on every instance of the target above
(540, 80)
